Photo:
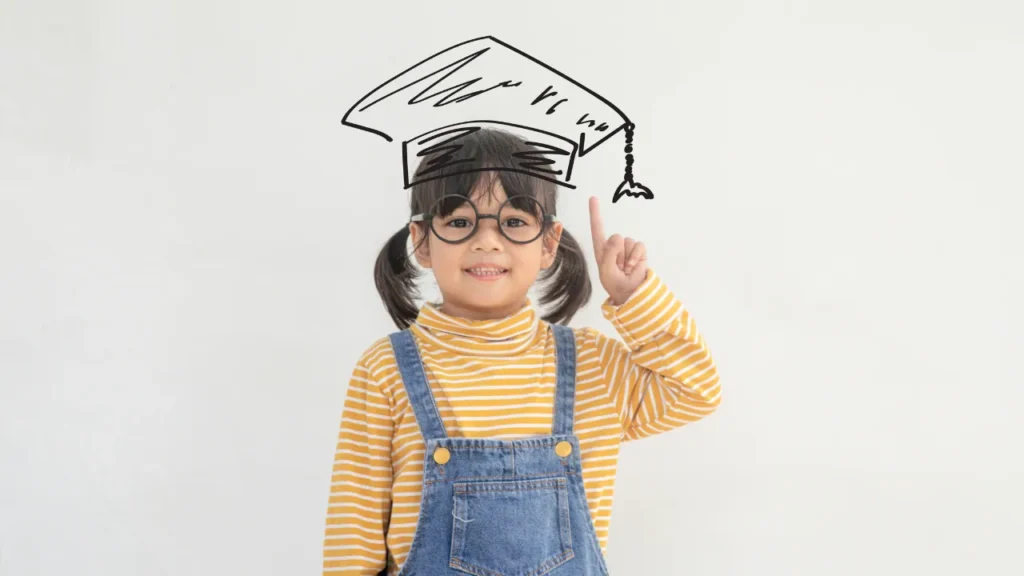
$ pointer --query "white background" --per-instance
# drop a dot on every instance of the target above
(185, 284)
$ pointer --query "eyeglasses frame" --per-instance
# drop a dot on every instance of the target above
(427, 217)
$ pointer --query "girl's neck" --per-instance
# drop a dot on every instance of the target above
(492, 335)
(473, 313)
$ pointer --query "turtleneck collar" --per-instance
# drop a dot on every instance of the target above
(497, 337)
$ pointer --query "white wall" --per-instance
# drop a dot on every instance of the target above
(184, 287)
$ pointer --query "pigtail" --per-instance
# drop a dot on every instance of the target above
(395, 277)
(567, 282)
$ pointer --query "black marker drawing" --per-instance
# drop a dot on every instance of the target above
(461, 89)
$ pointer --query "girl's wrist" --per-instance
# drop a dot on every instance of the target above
(618, 299)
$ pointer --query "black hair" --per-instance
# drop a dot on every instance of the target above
(482, 153)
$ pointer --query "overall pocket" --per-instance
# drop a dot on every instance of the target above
(511, 527)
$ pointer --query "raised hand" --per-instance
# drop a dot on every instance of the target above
(621, 262)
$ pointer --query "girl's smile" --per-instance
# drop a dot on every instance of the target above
(486, 273)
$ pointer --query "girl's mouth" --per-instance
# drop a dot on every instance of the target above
(486, 273)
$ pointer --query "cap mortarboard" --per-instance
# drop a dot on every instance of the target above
(485, 83)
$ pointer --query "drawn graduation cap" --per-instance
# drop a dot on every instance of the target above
(485, 83)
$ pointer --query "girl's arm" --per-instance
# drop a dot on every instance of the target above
(663, 377)
(360, 500)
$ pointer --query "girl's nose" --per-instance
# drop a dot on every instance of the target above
(488, 235)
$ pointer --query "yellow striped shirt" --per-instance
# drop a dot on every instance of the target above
(496, 379)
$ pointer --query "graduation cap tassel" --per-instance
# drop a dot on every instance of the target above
(628, 186)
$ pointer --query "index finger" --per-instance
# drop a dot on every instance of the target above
(596, 226)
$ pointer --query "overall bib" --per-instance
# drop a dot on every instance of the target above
(501, 507)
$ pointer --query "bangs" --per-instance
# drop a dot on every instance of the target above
(477, 163)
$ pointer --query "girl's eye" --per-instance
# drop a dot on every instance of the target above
(459, 223)
(514, 222)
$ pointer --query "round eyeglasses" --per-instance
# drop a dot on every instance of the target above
(454, 219)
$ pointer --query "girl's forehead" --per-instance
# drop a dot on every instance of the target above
(488, 192)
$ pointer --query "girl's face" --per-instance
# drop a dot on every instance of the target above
(467, 293)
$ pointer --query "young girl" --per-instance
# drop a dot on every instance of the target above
(483, 438)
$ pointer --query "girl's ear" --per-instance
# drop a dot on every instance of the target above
(420, 243)
(550, 248)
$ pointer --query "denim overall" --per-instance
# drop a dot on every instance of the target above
(501, 507)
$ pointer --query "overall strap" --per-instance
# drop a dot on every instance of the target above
(565, 380)
(415, 380)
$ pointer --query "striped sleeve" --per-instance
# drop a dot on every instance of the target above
(360, 500)
(664, 376)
